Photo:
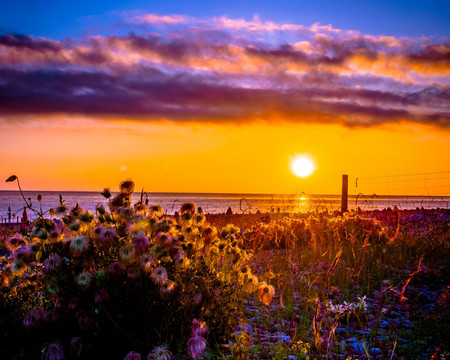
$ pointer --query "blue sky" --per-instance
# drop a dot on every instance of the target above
(60, 19)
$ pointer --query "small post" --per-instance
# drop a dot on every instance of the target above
(344, 197)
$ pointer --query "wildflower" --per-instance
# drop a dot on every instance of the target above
(84, 320)
(33, 318)
(198, 328)
(179, 256)
(126, 212)
(159, 275)
(49, 316)
(146, 261)
(198, 299)
(83, 280)
(209, 234)
(196, 346)
(106, 193)
(164, 238)
(132, 272)
(108, 236)
(78, 245)
(266, 293)
(15, 241)
(53, 351)
(251, 283)
(22, 254)
(73, 303)
(52, 263)
(199, 219)
(42, 234)
(76, 346)
(101, 296)
(74, 226)
(160, 352)
(127, 254)
(167, 287)
(115, 269)
(140, 244)
(86, 217)
(127, 187)
(187, 208)
(156, 211)
(132, 355)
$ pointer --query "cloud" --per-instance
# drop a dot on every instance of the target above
(219, 70)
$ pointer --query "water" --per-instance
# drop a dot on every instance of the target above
(219, 203)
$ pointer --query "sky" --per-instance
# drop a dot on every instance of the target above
(221, 96)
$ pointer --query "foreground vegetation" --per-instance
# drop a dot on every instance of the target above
(129, 282)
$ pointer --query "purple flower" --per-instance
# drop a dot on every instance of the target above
(196, 346)
(115, 269)
(160, 353)
(84, 320)
(108, 236)
(101, 296)
(76, 346)
(198, 328)
(52, 352)
(132, 355)
(52, 263)
(140, 244)
(33, 318)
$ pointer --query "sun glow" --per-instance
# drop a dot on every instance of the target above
(302, 166)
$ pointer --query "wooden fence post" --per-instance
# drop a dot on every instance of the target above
(344, 197)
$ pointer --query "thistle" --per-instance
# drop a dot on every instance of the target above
(127, 187)
(159, 275)
(198, 328)
(187, 208)
(266, 293)
(132, 355)
(33, 318)
(83, 280)
(53, 352)
(52, 263)
(160, 352)
(196, 346)
(78, 245)
(140, 244)
(127, 254)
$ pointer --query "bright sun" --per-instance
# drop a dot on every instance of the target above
(302, 166)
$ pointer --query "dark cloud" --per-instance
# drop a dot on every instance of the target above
(28, 42)
(214, 76)
(153, 95)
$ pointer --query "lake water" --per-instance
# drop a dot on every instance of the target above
(219, 203)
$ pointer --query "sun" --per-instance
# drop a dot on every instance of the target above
(302, 166)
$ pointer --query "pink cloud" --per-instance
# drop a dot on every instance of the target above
(219, 70)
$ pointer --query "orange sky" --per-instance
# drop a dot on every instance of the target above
(196, 157)
(186, 104)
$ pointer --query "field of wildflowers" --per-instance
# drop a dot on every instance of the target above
(129, 282)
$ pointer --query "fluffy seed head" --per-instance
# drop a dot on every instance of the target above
(78, 245)
(187, 208)
(127, 254)
(52, 263)
(53, 351)
(132, 355)
(266, 293)
(127, 187)
(159, 275)
(160, 352)
(83, 280)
